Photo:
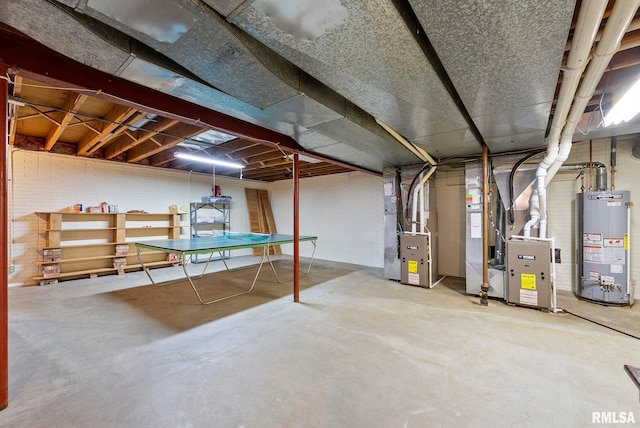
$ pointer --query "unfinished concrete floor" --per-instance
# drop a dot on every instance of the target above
(358, 351)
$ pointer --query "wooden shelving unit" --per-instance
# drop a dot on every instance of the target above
(89, 244)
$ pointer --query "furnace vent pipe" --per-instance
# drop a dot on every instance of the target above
(418, 203)
(617, 23)
(589, 19)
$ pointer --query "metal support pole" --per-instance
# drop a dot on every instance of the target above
(484, 293)
(296, 228)
(4, 245)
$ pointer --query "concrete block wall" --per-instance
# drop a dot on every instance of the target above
(345, 211)
(43, 182)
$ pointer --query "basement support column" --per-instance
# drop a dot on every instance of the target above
(296, 228)
(4, 244)
(484, 294)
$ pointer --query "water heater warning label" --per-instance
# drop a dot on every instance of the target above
(528, 281)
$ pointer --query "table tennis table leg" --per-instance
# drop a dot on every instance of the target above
(255, 278)
(209, 261)
(308, 268)
(146, 269)
(313, 253)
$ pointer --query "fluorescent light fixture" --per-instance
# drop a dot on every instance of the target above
(626, 108)
(212, 161)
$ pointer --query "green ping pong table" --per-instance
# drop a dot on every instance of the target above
(228, 241)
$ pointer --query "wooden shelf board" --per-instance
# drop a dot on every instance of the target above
(104, 270)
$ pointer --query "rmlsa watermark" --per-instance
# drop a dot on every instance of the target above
(613, 418)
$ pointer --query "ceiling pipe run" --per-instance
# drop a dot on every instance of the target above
(419, 152)
(615, 29)
(589, 18)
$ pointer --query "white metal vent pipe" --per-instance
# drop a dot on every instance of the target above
(608, 45)
(617, 24)
(589, 18)
(418, 203)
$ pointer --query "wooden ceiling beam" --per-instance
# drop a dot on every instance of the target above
(121, 145)
(112, 120)
(251, 151)
(237, 144)
(29, 58)
(267, 155)
(71, 106)
(268, 164)
(284, 174)
(181, 131)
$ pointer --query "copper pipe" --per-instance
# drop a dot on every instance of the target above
(296, 228)
(4, 245)
(484, 298)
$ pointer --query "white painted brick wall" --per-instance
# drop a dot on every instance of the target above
(345, 211)
(43, 182)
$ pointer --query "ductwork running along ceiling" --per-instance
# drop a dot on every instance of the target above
(448, 76)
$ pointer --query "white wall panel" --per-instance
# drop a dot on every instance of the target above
(345, 211)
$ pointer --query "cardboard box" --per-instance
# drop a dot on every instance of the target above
(49, 271)
(119, 263)
(51, 254)
(122, 249)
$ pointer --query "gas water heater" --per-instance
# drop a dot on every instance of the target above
(602, 243)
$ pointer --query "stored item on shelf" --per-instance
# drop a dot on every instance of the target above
(178, 209)
(122, 249)
(50, 281)
(50, 271)
(51, 254)
(173, 259)
(216, 199)
(119, 263)
(77, 208)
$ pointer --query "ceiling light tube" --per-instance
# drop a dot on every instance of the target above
(212, 161)
(626, 108)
